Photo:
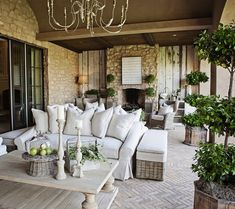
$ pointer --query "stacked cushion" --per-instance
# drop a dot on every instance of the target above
(100, 122)
(41, 120)
(74, 114)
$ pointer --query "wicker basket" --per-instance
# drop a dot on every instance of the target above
(150, 170)
(40, 166)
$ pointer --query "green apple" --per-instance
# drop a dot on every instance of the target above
(43, 152)
(33, 151)
(49, 151)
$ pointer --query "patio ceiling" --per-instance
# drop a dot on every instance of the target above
(164, 22)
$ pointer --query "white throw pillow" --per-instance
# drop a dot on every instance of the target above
(74, 114)
(1, 140)
(93, 105)
(100, 108)
(100, 122)
(120, 125)
(41, 120)
(165, 110)
(120, 111)
(52, 113)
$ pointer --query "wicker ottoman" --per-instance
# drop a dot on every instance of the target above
(151, 155)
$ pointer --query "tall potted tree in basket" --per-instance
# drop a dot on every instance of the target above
(215, 163)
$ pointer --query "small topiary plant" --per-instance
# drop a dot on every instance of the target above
(150, 78)
(196, 78)
(150, 92)
(110, 78)
(110, 92)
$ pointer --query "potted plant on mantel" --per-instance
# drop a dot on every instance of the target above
(215, 163)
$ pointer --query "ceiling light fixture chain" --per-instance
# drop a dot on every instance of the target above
(88, 12)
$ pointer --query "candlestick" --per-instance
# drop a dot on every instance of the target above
(78, 168)
(60, 163)
(60, 112)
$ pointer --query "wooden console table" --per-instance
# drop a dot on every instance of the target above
(13, 168)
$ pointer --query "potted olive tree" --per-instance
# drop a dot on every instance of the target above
(215, 163)
(195, 131)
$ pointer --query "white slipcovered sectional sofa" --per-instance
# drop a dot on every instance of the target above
(117, 131)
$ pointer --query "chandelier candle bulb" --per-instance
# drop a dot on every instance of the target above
(78, 124)
(60, 112)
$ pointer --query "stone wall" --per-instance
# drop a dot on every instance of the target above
(149, 56)
(17, 21)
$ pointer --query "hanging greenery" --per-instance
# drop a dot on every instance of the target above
(110, 78)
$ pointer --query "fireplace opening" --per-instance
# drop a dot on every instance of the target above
(133, 99)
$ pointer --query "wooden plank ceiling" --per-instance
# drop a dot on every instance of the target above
(163, 22)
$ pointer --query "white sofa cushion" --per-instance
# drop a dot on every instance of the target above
(93, 105)
(52, 113)
(1, 140)
(3, 149)
(119, 110)
(41, 120)
(54, 139)
(74, 114)
(110, 147)
(153, 146)
(163, 110)
(100, 122)
(120, 125)
(100, 108)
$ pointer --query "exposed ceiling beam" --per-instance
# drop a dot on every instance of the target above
(149, 39)
(65, 45)
(103, 42)
(148, 27)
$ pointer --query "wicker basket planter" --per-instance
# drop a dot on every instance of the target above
(195, 135)
(40, 166)
(150, 170)
(206, 201)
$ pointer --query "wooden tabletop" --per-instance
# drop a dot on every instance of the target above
(13, 168)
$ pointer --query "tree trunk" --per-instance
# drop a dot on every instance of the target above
(230, 90)
(226, 140)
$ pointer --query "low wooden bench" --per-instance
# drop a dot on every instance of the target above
(152, 155)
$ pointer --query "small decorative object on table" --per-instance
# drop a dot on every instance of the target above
(78, 168)
(60, 163)
(41, 161)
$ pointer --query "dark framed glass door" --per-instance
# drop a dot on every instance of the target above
(5, 105)
(18, 84)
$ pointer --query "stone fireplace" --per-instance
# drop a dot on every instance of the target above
(149, 55)
(133, 99)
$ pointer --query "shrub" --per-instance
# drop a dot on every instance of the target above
(92, 92)
(196, 77)
(215, 163)
(193, 120)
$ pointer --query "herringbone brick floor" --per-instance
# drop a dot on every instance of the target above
(175, 192)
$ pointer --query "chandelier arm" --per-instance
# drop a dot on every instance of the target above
(53, 21)
(90, 12)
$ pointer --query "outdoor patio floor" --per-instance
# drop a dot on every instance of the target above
(176, 191)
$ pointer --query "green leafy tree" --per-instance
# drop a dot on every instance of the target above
(219, 48)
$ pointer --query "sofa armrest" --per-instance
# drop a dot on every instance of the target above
(20, 140)
(132, 140)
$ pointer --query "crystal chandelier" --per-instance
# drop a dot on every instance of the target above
(88, 12)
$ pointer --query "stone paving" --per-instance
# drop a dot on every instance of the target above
(175, 192)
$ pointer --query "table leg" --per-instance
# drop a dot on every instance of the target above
(108, 187)
(89, 202)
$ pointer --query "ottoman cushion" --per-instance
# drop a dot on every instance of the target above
(153, 146)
